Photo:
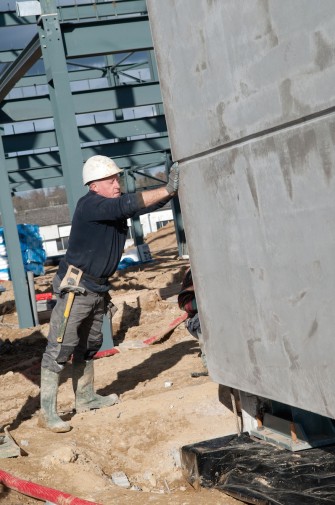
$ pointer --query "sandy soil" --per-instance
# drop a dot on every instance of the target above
(162, 407)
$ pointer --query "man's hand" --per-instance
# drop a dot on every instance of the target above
(163, 193)
(173, 182)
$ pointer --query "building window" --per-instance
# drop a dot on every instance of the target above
(160, 224)
(62, 243)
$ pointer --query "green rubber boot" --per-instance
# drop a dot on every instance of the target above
(48, 415)
(83, 387)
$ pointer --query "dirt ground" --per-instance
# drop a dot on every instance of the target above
(162, 407)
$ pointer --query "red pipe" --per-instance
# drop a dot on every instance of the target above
(166, 330)
(104, 354)
(41, 492)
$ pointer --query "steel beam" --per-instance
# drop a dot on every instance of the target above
(27, 164)
(128, 149)
(124, 150)
(32, 174)
(13, 73)
(82, 74)
(10, 18)
(63, 110)
(136, 226)
(18, 275)
(10, 55)
(36, 184)
(106, 37)
(78, 12)
(28, 109)
(91, 133)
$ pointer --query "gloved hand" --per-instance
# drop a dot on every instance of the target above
(173, 182)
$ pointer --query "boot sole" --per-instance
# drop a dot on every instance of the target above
(87, 408)
(60, 429)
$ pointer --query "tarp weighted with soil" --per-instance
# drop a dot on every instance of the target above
(259, 473)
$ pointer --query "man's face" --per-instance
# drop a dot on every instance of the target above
(108, 187)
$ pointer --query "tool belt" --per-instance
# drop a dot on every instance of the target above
(97, 280)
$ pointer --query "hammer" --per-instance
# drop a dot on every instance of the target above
(72, 290)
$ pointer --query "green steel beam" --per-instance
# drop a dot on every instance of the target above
(10, 55)
(37, 184)
(10, 18)
(77, 12)
(18, 275)
(92, 133)
(21, 176)
(23, 168)
(62, 104)
(32, 161)
(28, 109)
(34, 80)
(136, 226)
(123, 150)
(25, 109)
(112, 35)
(106, 37)
(77, 75)
(13, 72)
(128, 149)
(111, 8)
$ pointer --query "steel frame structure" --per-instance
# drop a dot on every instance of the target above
(54, 156)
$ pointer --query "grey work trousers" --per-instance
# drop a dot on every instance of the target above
(83, 334)
(193, 326)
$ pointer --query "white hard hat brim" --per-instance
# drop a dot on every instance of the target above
(99, 167)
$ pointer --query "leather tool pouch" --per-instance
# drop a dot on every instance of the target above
(71, 278)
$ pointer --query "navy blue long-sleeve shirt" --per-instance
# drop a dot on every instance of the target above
(98, 235)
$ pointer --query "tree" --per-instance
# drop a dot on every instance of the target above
(40, 198)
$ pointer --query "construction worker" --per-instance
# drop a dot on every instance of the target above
(98, 235)
(187, 301)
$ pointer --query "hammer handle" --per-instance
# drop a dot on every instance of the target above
(69, 304)
(66, 316)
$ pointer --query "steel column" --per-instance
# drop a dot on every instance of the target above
(135, 221)
(20, 284)
(61, 102)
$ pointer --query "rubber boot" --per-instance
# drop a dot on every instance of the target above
(83, 387)
(48, 415)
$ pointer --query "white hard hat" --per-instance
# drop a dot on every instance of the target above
(99, 167)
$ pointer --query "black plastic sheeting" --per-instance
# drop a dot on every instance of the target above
(256, 472)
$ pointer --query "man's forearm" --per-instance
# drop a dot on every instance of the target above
(154, 196)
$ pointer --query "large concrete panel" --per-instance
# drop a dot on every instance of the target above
(233, 68)
(249, 96)
(259, 221)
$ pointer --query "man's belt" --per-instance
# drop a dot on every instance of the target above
(88, 277)
(97, 280)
